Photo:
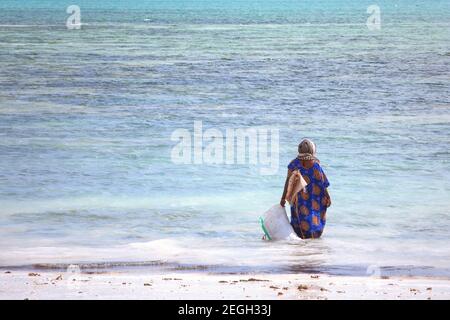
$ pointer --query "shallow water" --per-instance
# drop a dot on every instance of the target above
(86, 118)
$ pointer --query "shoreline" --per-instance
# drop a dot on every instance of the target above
(126, 284)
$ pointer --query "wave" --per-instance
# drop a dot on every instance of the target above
(193, 254)
(160, 201)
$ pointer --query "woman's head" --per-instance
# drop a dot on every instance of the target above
(307, 147)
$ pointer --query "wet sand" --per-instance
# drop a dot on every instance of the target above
(132, 285)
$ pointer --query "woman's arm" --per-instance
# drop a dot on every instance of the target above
(327, 195)
(286, 183)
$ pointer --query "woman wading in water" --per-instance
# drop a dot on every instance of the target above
(309, 210)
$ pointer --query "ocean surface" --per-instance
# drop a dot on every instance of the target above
(86, 118)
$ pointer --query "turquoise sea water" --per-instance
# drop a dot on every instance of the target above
(86, 118)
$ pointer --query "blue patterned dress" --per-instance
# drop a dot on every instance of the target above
(309, 219)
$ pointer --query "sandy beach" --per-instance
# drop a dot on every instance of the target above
(139, 285)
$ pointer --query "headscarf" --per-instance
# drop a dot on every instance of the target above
(307, 150)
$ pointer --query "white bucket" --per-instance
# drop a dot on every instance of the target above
(276, 225)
